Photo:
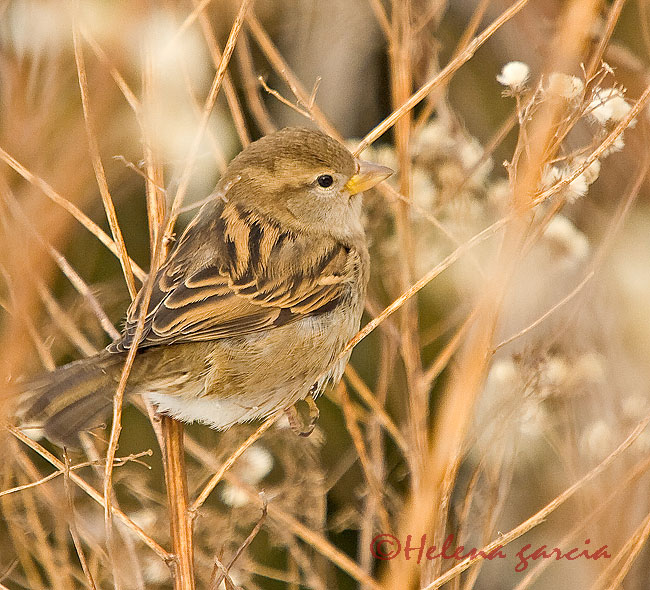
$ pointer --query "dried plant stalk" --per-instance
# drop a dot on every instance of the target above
(180, 524)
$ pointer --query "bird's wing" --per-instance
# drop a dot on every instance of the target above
(255, 277)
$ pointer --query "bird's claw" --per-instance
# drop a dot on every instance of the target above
(296, 423)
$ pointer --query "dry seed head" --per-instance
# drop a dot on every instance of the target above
(635, 406)
(576, 189)
(568, 243)
(608, 104)
(617, 146)
(503, 373)
(597, 439)
(565, 86)
(550, 176)
(253, 466)
(553, 371)
(591, 172)
(514, 75)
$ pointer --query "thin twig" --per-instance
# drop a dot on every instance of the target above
(207, 111)
(283, 100)
(216, 478)
(94, 494)
(245, 544)
(548, 313)
(118, 461)
(542, 514)
(72, 524)
(441, 77)
(95, 156)
(228, 87)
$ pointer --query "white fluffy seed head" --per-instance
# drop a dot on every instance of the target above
(253, 466)
(503, 374)
(514, 75)
(579, 186)
(608, 104)
(591, 172)
(576, 189)
(597, 439)
(569, 244)
(233, 496)
(550, 176)
(565, 86)
(617, 146)
(258, 463)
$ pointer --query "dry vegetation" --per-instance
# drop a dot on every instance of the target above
(499, 387)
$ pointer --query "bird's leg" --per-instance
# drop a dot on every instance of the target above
(294, 421)
(297, 424)
(313, 414)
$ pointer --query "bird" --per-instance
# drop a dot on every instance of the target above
(254, 305)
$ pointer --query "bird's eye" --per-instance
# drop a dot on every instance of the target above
(325, 180)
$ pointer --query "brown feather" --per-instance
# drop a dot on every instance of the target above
(238, 293)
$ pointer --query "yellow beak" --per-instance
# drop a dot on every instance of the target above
(367, 176)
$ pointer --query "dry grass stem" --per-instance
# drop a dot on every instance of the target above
(217, 477)
(440, 78)
(73, 526)
(95, 156)
(579, 287)
(180, 524)
(539, 517)
(207, 111)
(96, 496)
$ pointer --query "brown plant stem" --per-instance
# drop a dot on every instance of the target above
(441, 77)
(180, 525)
(88, 489)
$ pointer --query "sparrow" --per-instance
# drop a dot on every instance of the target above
(253, 306)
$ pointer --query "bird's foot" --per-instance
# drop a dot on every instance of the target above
(295, 421)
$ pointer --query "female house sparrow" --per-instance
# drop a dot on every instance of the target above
(254, 304)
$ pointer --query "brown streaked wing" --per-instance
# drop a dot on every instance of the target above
(222, 301)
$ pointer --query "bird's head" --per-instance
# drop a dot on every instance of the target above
(305, 179)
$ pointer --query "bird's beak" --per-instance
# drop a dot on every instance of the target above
(367, 176)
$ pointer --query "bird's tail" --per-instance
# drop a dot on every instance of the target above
(74, 398)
